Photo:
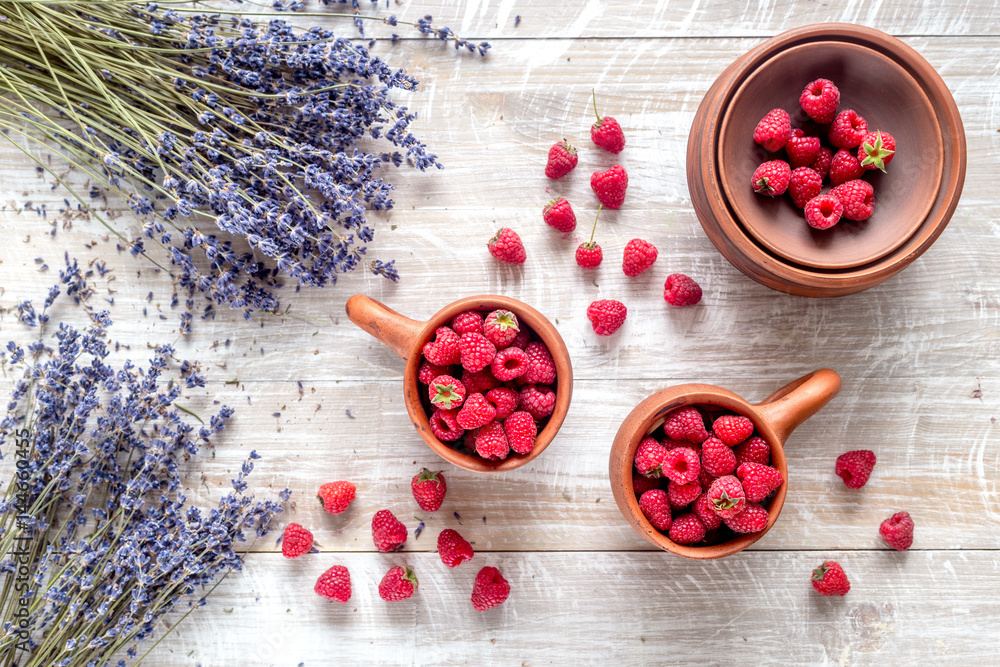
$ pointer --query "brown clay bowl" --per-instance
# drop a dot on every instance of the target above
(774, 418)
(407, 337)
(889, 84)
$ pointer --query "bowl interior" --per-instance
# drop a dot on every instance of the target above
(881, 91)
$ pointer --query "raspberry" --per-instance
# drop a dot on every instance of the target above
(639, 255)
(682, 495)
(429, 489)
(758, 480)
(504, 400)
(444, 426)
(773, 130)
(732, 429)
(803, 185)
(642, 484)
(476, 412)
(443, 350)
(727, 496)
(334, 584)
(522, 339)
(295, 541)
(673, 444)
(509, 363)
(479, 382)
(388, 532)
(844, 167)
(490, 589)
(897, 531)
(562, 160)
(702, 509)
(520, 430)
(687, 529)
(606, 133)
(771, 178)
(754, 450)
(501, 328)
(537, 400)
(559, 215)
(541, 367)
(823, 211)
(717, 458)
(821, 163)
(399, 583)
(610, 186)
(848, 129)
(453, 548)
(606, 316)
(681, 465)
(752, 519)
(877, 150)
(336, 496)
(820, 100)
(801, 150)
(830, 579)
(706, 480)
(506, 247)
(855, 467)
(679, 290)
(656, 508)
(471, 321)
(589, 255)
(649, 457)
(491, 443)
(429, 371)
(685, 424)
(446, 392)
(858, 199)
(476, 352)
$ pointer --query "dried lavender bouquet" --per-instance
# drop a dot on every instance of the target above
(97, 542)
(214, 127)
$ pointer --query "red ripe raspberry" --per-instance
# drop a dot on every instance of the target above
(803, 185)
(443, 350)
(716, 458)
(642, 484)
(682, 495)
(897, 531)
(823, 211)
(687, 529)
(830, 579)
(681, 465)
(446, 392)
(520, 430)
(679, 290)
(509, 363)
(844, 167)
(685, 424)
(562, 160)
(429, 371)
(506, 247)
(476, 412)
(758, 480)
(399, 583)
(639, 255)
(491, 443)
(336, 496)
(334, 584)
(848, 129)
(754, 450)
(802, 150)
(471, 321)
(479, 382)
(453, 548)
(771, 178)
(820, 100)
(610, 186)
(855, 467)
(752, 519)
(705, 479)
(702, 509)
(649, 457)
(388, 532)
(773, 130)
(537, 400)
(501, 328)
(877, 150)
(476, 352)
(429, 489)
(726, 494)
(504, 400)
(656, 508)
(444, 426)
(490, 589)
(541, 367)
(821, 163)
(589, 255)
(732, 429)
(606, 133)
(295, 541)
(522, 339)
(559, 215)
(606, 316)
(858, 198)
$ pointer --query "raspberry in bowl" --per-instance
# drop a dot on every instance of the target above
(488, 379)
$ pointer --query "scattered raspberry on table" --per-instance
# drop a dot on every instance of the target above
(490, 590)
(388, 532)
(610, 186)
(399, 583)
(559, 215)
(562, 160)
(506, 247)
(638, 256)
(897, 531)
(336, 496)
(296, 541)
(453, 548)
(334, 584)
(855, 467)
(606, 316)
(680, 290)
(830, 579)
(429, 489)
(606, 133)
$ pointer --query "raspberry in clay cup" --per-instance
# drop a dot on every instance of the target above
(699, 434)
(492, 429)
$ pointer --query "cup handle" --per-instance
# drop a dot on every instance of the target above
(384, 324)
(797, 401)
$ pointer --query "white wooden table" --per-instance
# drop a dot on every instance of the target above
(918, 355)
